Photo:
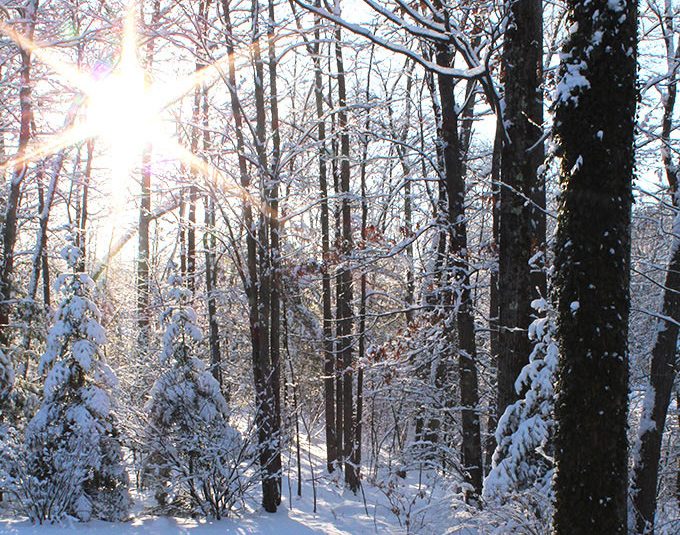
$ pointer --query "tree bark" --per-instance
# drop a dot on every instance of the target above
(270, 439)
(272, 193)
(329, 357)
(143, 251)
(492, 420)
(210, 246)
(345, 314)
(594, 128)
(259, 322)
(522, 155)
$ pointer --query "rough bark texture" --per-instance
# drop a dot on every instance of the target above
(594, 128)
(523, 119)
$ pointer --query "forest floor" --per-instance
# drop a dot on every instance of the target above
(339, 512)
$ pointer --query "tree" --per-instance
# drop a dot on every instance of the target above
(594, 114)
(525, 434)
(9, 228)
(194, 455)
(521, 223)
(664, 351)
(6, 380)
(75, 463)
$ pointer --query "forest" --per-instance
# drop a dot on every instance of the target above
(339, 266)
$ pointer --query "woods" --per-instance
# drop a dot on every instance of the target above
(413, 260)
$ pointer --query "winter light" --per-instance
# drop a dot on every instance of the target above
(119, 107)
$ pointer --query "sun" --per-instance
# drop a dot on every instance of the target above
(120, 109)
(123, 110)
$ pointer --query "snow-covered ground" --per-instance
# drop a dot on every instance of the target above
(428, 509)
(338, 512)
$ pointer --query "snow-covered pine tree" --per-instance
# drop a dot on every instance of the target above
(194, 456)
(74, 463)
(522, 460)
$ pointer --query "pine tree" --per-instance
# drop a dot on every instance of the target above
(523, 456)
(194, 455)
(74, 459)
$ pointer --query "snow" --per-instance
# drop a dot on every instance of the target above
(573, 82)
(616, 5)
(339, 521)
(339, 512)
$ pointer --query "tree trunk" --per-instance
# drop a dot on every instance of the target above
(664, 354)
(270, 439)
(595, 115)
(259, 323)
(657, 398)
(9, 232)
(458, 258)
(339, 376)
(345, 314)
(356, 449)
(143, 252)
(522, 154)
(272, 193)
(492, 421)
(329, 357)
(143, 318)
(81, 238)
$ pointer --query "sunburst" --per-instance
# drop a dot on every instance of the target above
(121, 107)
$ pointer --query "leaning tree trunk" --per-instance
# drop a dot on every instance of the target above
(657, 398)
(664, 354)
(522, 154)
(594, 128)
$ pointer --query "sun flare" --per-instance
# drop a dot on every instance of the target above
(120, 108)
(123, 111)
(119, 112)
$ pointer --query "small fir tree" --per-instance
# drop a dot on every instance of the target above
(194, 455)
(522, 460)
(74, 464)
